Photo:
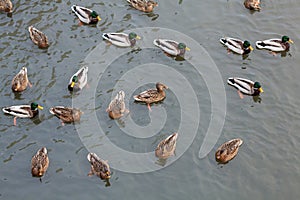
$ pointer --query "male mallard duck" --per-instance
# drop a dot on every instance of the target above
(236, 45)
(20, 81)
(152, 95)
(143, 5)
(86, 15)
(121, 39)
(6, 6)
(79, 79)
(39, 162)
(38, 37)
(166, 147)
(23, 111)
(99, 167)
(171, 47)
(276, 44)
(228, 150)
(116, 108)
(252, 4)
(65, 114)
(245, 86)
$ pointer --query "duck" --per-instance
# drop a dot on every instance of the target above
(99, 167)
(143, 5)
(228, 150)
(152, 95)
(121, 39)
(38, 37)
(23, 111)
(6, 6)
(276, 44)
(171, 47)
(245, 86)
(66, 114)
(20, 81)
(78, 80)
(252, 4)
(86, 15)
(40, 162)
(116, 108)
(236, 45)
(166, 147)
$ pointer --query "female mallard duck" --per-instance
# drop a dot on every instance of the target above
(252, 4)
(276, 44)
(116, 108)
(121, 39)
(20, 81)
(245, 86)
(6, 6)
(38, 37)
(40, 162)
(23, 111)
(166, 147)
(228, 150)
(65, 114)
(171, 47)
(79, 79)
(86, 15)
(99, 167)
(236, 45)
(152, 95)
(143, 5)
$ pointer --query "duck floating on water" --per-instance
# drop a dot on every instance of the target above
(86, 15)
(121, 39)
(236, 45)
(143, 5)
(166, 147)
(40, 162)
(245, 86)
(116, 108)
(276, 44)
(228, 150)
(6, 6)
(20, 81)
(66, 114)
(252, 4)
(38, 37)
(171, 47)
(99, 167)
(79, 79)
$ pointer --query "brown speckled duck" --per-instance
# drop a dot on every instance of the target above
(166, 147)
(38, 37)
(66, 114)
(252, 4)
(40, 162)
(116, 108)
(228, 150)
(99, 167)
(143, 5)
(20, 81)
(6, 6)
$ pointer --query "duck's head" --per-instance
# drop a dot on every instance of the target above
(286, 39)
(133, 35)
(94, 14)
(35, 106)
(74, 80)
(161, 86)
(247, 45)
(183, 46)
(257, 86)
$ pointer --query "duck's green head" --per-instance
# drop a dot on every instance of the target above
(247, 44)
(183, 46)
(34, 106)
(94, 14)
(257, 86)
(133, 35)
(286, 39)
(74, 80)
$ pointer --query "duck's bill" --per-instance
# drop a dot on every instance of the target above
(40, 107)
(260, 90)
(138, 37)
(251, 48)
(291, 41)
(188, 49)
(98, 18)
(72, 84)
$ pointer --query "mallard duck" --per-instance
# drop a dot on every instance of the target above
(152, 95)
(171, 47)
(66, 114)
(228, 150)
(236, 45)
(252, 4)
(38, 37)
(166, 147)
(23, 111)
(99, 167)
(86, 15)
(245, 86)
(143, 5)
(20, 81)
(116, 108)
(6, 6)
(276, 44)
(40, 162)
(79, 79)
(121, 39)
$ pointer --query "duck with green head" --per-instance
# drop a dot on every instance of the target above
(121, 39)
(236, 45)
(79, 79)
(245, 86)
(275, 44)
(86, 15)
(171, 47)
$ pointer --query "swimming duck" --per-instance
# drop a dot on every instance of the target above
(245, 86)
(116, 108)
(121, 39)
(143, 5)
(38, 37)
(166, 147)
(228, 150)
(236, 45)
(20, 81)
(23, 111)
(79, 79)
(66, 114)
(276, 44)
(99, 167)
(252, 4)
(171, 47)
(152, 95)
(86, 15)
(40, 162)
(6, 6)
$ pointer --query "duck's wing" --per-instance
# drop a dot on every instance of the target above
(169, 46)
(242, 84)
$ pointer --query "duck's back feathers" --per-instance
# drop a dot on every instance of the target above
(20, 81)
(228, 150)
(235, 45)
(99, 167)
(6, 6)
(166, 147)
(66, 114)
(116, 108)
(22, 111)
(275, 45)
(168, 46)
(242, 84)
(38, 37)
(40, 162)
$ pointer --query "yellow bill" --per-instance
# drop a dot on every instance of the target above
(188, 49)
(260, 90)
(98, 18)
(291, 41)
(40, 107)
(138, 37)
(251, 48)
(72, 84)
